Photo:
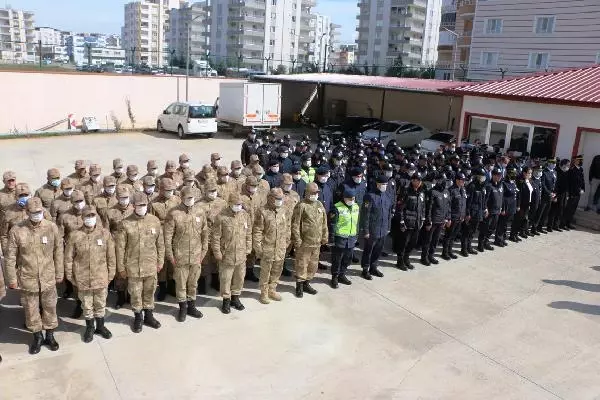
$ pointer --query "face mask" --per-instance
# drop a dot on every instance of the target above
(564, 169)
(356, 179)
(212, 195)
(133, 178)
(287, 188)
(259, 177)
(236, 172)
(382, 188)
(349, 203)
(36, 217)
(22, 201)
(189, 201)
(278, 203)
(124, 201)
(191, 183)
(141, 210)
(297, 177)
(109, 189)
(307, 163)
(149, 189)
(89, 221)
(411, 172)
(153, 172)
(252, 189)
(284, 155)
(68, 192)
(79, 205)
(185, 165)
(322, 179)
(55, 183)
(481, 179)
(236, 208)
(388, 174)
(216, 163)
(551, 166)
(537, 174)
(168, 194)
(448, 184)
(96, 178)
(275, 170)
(313, 197)
(118, 171)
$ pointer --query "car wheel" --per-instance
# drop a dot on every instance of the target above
(159, 126)
(210, 135)
(180, 132)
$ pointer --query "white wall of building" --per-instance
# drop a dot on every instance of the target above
(431, 32)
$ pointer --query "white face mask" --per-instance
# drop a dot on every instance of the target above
(89, 221)
(565, 168)
(252, 189)
(79, 205)
(275, 170)
(36, 217)
(537, 174)
(236, 208)
(224, 179)
(313, 197)
(278, 203)
(68, 192)
(124, 201)
(216, 163)
(141, 210)
(284, 155)
(133, 178)
(96, 178)
(149, 189)
(357, 179)
(189, 201)
(287, 188)
(297, 177)
(185, 164)
(307, 163)
(236, 172)
(212, 195)
(481, 179)
(411, 172)
(168, 194)
(259, 177)
(153, 172)
(382, 188)
(322, 179)
(118, 171)
(349, 203)
(388, 174)
(109, 189)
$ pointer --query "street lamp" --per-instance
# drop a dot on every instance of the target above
(187, 60)
(321, 50)
(456, 35)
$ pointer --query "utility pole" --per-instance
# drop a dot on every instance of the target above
(40, 49)
(89, 54)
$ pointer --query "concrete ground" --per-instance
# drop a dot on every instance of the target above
(518, 323)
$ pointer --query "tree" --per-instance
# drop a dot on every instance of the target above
(428, 73)
(281, 70)
(366, 68)
(396, 69)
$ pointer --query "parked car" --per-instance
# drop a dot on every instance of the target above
(188, 118)
(434, 142)
(350, 126)
(406, 134)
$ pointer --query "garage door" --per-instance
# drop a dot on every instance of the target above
(589, 146)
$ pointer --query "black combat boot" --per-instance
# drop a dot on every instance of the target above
(299, 289)
(445, 255)
(50, 341)
(433, 260)
(286, 272)
(366, 274)
(214, 282)
(344, 280)
(182, 311)
(89, 330)
(400, 263)
(120, 299)
(161, 295)
(425, 261)
(101, 329)
(471, 250)
(452, 255)
(321, 266)
(149, 319)
(137, 322)
(308, 289)
(36, 344)
(334, 282)
(480, 248)
(201, 285)
(488, 246)
(192, 311)
(250, 276)
(226, 307)
(77, 311)
(236, 303)
(375, 272)
(407, 262)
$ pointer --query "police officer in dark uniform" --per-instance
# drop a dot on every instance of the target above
(337, 170)
(273, 175)
(299, 150)
(409, 221)
(509, 208)
(495, 198)
(298, 184)
(375, 220)
(249, 147)
(285, 163)
(560, 201)
(536, 199)
(437, 213)
(458, 212)
(576, 189)
(548, 186)
(476, 211)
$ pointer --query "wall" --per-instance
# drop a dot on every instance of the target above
(31, 101)
(569, 118)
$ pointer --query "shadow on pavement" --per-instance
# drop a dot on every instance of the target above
(596, 268)
(574, 306)
(588, 287)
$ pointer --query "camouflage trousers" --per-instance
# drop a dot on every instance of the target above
(186, 281)
(93, 302)
(270, 272)
(166, 273)
(209, 264)
(141, 291)
(31, 302)
(307, 261)
(232, 279)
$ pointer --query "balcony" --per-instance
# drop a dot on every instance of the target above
(254, 32)
(254, 4)
(447, 39)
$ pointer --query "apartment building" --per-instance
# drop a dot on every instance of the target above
(95, 47)
(516, 37)
(388, 29)
(447, 41)
(326, 37)
(145, 31)
(53, 43)
(17, 36)
(189, 27)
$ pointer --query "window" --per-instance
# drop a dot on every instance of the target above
(597, 58)
(538, 60)
(202, 112)
(544, 25)
(493, 26)
(489, 59)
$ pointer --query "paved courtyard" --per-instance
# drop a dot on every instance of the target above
(517, 323)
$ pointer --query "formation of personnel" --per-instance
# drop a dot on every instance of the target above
(183, 232)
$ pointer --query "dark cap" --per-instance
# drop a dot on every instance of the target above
(349, 193)
(323, 170)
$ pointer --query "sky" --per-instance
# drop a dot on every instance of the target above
(106, 16)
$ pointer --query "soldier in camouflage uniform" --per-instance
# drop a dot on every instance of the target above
(133, 182)
(171, 173)
(80, 176)
(149, 185)
(119, 171)
(94, 186)
(290, 199)
(7, 194)
(252, 203)
(90, 264)
(34, 263)
(63, 202)
(103, 202)
(51, 189)
(236, 176)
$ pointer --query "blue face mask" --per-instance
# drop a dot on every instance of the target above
(55, 183)
(22, 201)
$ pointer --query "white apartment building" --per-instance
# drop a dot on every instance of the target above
(95, 47)
(261, 34)
(388, 29)
(54, 46)
(145, 30)
(17, 36)
(326, 38)
(189, 22)
(534, 36)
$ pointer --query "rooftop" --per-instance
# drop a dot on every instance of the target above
(576, 87)
(376, 82)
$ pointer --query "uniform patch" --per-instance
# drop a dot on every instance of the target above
(44, 240)
(445, 195)
(153, 231)
(99, 241)
(197, 219)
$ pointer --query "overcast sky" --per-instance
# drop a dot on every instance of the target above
(106, 16)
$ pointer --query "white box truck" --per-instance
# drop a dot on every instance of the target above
(245, 105)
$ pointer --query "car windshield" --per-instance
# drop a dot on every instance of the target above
(202, 112)
(387, 127)
(441, 137)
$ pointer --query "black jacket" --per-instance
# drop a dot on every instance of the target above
(576, 181)
(476, 200)
(458, 203)
(511, 197)
(437, 208)
(536, 198)
(495, 196)
(524, 201)
(548, 183)
(562, 182)
(249, 147)
(412, 208)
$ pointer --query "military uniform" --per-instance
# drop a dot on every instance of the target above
(8, 196)
(51, 190)
(72, 220)
(105, 201)
(225, 187)
(80, 176)
(94, 186)
(119, 171)
(132, 182)
(62, 203)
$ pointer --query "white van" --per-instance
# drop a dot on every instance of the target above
(188, 118)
